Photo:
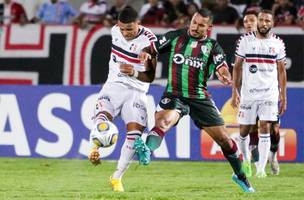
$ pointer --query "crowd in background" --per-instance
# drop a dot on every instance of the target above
(173, 13)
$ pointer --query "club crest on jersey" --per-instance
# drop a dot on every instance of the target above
(271, 50)
(133, 47)
(165, 100)
(205, 49)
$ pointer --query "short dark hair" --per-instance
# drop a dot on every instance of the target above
(204, 12)
(250, 12)
(266, 11)
(128, 15)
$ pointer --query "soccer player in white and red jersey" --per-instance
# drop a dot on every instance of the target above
(260, 57)
(250, 25)
(123, 93)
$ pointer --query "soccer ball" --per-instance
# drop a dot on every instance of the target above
(104, 134)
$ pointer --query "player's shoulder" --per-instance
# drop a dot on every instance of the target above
(147, 33)
(276, 38)
(247, 36)
(115, 29)
(212, 41)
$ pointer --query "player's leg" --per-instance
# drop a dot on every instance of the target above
(253, 144)
(274, 139)
(134, 131)
(230, 151)
(206, 115)
(104, 110)
(164, 120)
(133, 112)
(264, 147)
(267, 112)
(94, 155)
(246, 118)
(168, 112)
(244, 141)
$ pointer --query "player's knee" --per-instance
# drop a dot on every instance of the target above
(163, 123)
(264, 127)
(275, 129)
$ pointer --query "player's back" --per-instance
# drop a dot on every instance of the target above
(127, 52)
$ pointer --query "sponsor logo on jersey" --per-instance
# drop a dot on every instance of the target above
(190, 61)
(265, 70)
(107, 98)
(194, 44)
(218, 58)
(114, 58)
(253, 69)
(259, 90)
(139, 106)
(162, 40)
(245, 107)
(165, 100)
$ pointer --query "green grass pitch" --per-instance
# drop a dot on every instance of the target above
(62, 179)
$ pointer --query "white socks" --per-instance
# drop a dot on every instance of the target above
(126, 154)
(264, 149)
(244, 147)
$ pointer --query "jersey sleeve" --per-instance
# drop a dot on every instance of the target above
(240, 47)
(281, 53)
(218, 56)
(164, 42)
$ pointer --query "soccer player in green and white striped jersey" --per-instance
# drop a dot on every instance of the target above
(193, 59)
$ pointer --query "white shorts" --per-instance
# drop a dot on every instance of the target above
(250, 110)
(117, 98)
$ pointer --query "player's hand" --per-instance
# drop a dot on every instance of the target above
(235, 99)
(283, 106)
(226, 80)
(144, 56)
(127, 69)
(94, 156)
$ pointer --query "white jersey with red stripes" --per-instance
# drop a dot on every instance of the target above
(126, 52)
(259, 69)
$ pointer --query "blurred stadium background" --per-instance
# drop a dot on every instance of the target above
(50, 75)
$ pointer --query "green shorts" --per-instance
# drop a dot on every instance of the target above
(203, 112)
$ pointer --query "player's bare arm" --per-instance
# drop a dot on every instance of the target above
(282, 83)
(224, 75)
(146, 76)
(236, 82)
(148, 57)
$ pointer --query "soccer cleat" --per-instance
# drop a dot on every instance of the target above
(243, 183)
(116, 184)
(274, 164)
(143, 152)
(246, 166)
(261, 174)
